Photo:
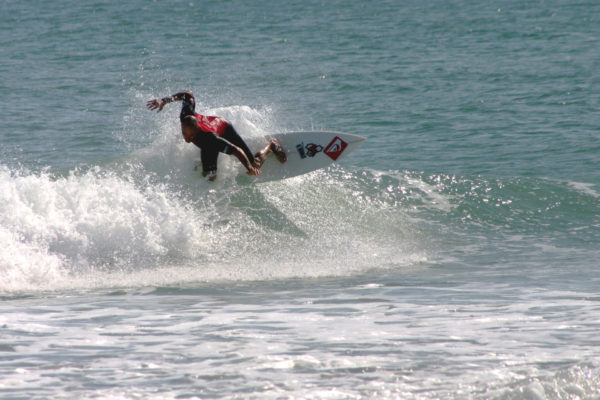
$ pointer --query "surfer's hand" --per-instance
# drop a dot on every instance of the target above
(155, 104)
(253, 171)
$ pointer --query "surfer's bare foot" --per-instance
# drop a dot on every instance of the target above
(278, 151)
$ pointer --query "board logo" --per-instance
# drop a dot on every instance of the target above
(309, 150)
(312, 149)
(335, 148)
(300, 148)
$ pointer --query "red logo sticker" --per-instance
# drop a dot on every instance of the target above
(335, 148)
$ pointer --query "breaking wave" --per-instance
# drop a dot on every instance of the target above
(149, 219)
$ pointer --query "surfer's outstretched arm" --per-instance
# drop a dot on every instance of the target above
(158, 104)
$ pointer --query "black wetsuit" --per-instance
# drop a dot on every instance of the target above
(210, 143)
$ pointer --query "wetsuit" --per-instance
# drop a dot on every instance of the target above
(216, 136)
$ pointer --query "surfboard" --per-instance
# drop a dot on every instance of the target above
(306, 152)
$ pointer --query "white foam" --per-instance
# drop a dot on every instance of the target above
(586, 188)
(98, 228)
(150, 220)
(54, 227)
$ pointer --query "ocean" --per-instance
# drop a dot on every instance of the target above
(455, 255)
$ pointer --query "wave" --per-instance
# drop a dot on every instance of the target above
(106, 228)
(148, 219)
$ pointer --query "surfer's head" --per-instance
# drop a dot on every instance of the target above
(189, 126)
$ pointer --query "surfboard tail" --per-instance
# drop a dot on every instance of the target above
(309, 151)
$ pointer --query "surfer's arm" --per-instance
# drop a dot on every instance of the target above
(158, 104)
(237, 152)
(211, 144)
(225, 146)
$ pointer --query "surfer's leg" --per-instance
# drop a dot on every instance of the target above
(261, 156)
(233, 137)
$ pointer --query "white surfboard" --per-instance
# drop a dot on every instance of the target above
(306, 152)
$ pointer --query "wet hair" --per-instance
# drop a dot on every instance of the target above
(190, 121)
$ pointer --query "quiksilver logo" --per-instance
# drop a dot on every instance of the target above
(335, 148)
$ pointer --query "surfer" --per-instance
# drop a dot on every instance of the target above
(214, 135)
